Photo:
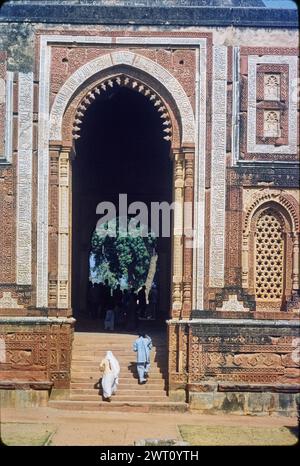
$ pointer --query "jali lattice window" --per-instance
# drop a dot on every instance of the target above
(269, 251)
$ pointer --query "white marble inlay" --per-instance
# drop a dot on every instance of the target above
(8, 131)
(24, 179)
(8, 302)
(218, 168)
(233, 304)
(43, 177)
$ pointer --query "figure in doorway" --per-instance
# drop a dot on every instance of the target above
(132, 317)
(93, 298)
(106, 296)
(118, 296)
(153, 298)
(142, 301)
(109, 321)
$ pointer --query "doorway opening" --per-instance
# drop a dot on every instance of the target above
(121, 151)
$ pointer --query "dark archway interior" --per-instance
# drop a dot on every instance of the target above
(121, 150)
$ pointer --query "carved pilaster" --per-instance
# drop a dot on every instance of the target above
(245, 261)
(295, 266)
(63, 230)
(178, 235)
(178, 355)
(188, 232)
(53, 225)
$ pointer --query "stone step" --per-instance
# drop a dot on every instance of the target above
(81, 382)
(109, 347)
(128, 398)
(126, 367)
(95, 376)
(104, 340)
(123, 361)
(125, 349)
(124, 383)
(116, 335)
(130, 368)
(124, 370)
(91, 375)
(133, 406)
(88, 355)
(89, 349)
(118, 340)
(122, 358)
(132, 393)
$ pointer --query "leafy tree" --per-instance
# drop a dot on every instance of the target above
(123, 258)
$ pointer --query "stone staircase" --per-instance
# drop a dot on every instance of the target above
(85, 393)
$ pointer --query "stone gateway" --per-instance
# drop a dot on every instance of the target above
(191, 102)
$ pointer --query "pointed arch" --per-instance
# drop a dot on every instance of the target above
(271, 250)
(132, 61)
(286, 202)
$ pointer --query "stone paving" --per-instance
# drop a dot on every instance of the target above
(123, 429)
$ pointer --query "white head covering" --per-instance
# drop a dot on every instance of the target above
(114, 364)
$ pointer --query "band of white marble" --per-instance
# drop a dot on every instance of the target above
(24, 179)
(218, 167)
(238, 322)
(235, 135)
(7, 156)
(200, 157)
(43, 177)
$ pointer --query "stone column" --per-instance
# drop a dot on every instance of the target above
(53, 224)
(188, 232)
(295, 270)
(63, 230)
(245, 268)
(178, 234)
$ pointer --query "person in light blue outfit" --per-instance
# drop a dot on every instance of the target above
(142, 346)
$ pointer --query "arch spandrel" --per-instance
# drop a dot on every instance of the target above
(283, 201)
(132, 62)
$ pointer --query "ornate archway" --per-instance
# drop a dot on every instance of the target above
(271, 232)
(168, 97)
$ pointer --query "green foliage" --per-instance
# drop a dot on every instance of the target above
(123, 258)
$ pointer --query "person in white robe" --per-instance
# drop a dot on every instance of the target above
(110, 379)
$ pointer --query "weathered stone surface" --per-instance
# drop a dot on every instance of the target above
(27, 398)
(245, 403)
(174, 13)
(38, 355)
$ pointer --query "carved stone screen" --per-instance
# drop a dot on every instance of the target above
(269, 257)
